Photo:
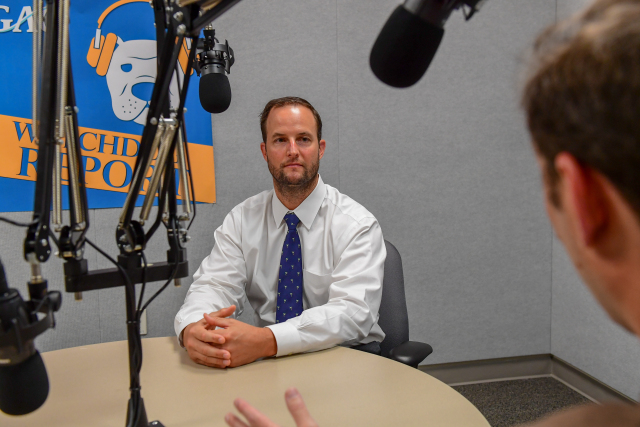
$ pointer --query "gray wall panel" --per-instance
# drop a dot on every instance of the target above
(447, 169)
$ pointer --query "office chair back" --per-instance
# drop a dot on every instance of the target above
(393, 320)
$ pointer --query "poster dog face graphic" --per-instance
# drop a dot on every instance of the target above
(127, 64)
(134, 62)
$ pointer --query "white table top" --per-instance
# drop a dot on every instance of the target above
(89, 387)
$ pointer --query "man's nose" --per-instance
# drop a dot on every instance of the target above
(292, 148)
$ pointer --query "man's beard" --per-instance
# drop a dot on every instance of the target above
(294, 186)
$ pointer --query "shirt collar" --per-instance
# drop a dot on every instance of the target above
(307, 210)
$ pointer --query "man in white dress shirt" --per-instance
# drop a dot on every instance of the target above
(341, 265)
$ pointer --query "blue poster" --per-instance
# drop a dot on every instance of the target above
(113, 57)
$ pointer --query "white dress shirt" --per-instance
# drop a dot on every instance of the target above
(343, 257)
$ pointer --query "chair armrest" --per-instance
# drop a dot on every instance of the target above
(410, 353)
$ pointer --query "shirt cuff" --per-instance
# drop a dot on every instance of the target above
(287, 338)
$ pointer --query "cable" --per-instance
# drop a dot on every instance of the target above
(136, 356)
(173, 274)
(123, 273)
(54, 238)
(113, 261)
(144, 283)
(193, 191)
(18, 224)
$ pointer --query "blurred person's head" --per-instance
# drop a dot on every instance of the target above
(582, 104)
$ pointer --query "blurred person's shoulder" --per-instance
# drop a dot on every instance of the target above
(593, 415)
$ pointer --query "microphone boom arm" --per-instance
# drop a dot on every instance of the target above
(164, 126)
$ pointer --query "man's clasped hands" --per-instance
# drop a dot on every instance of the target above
(221, 342)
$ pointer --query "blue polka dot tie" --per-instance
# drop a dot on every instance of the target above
(290, 289)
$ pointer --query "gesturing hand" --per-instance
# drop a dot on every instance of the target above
(244, 343)
(198, 338)
(296, 406)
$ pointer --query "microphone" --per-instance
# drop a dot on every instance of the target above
(410, 38)
(215, 92)
(215, 61)
(24, 385)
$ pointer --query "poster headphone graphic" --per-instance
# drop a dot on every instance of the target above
(134, 63)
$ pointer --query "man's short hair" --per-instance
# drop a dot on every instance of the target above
(582, 94)
(282, 102)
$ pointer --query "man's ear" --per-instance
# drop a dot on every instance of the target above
(322, 144)
(263, 148)
(583, 197)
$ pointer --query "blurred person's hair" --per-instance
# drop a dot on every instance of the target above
(582, 94)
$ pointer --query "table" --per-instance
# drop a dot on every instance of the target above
(89, 387)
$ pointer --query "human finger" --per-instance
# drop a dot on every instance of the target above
(298, 409)
(217, 321)
(224, 312)
(207, 360)
(199, 332)
(210, 336)
(209, 350)
(255, 417)
(234, 421)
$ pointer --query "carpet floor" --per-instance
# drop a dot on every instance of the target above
(509, 403)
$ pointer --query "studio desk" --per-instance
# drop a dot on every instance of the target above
(341, 387)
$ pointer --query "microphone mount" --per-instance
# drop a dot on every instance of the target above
(213, 56)
(437, 12)
(20, 323)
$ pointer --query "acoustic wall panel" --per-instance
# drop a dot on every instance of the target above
(447, 168)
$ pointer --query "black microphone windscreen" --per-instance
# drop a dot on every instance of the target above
(215, 92)
(23, 387)
(404, 49)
